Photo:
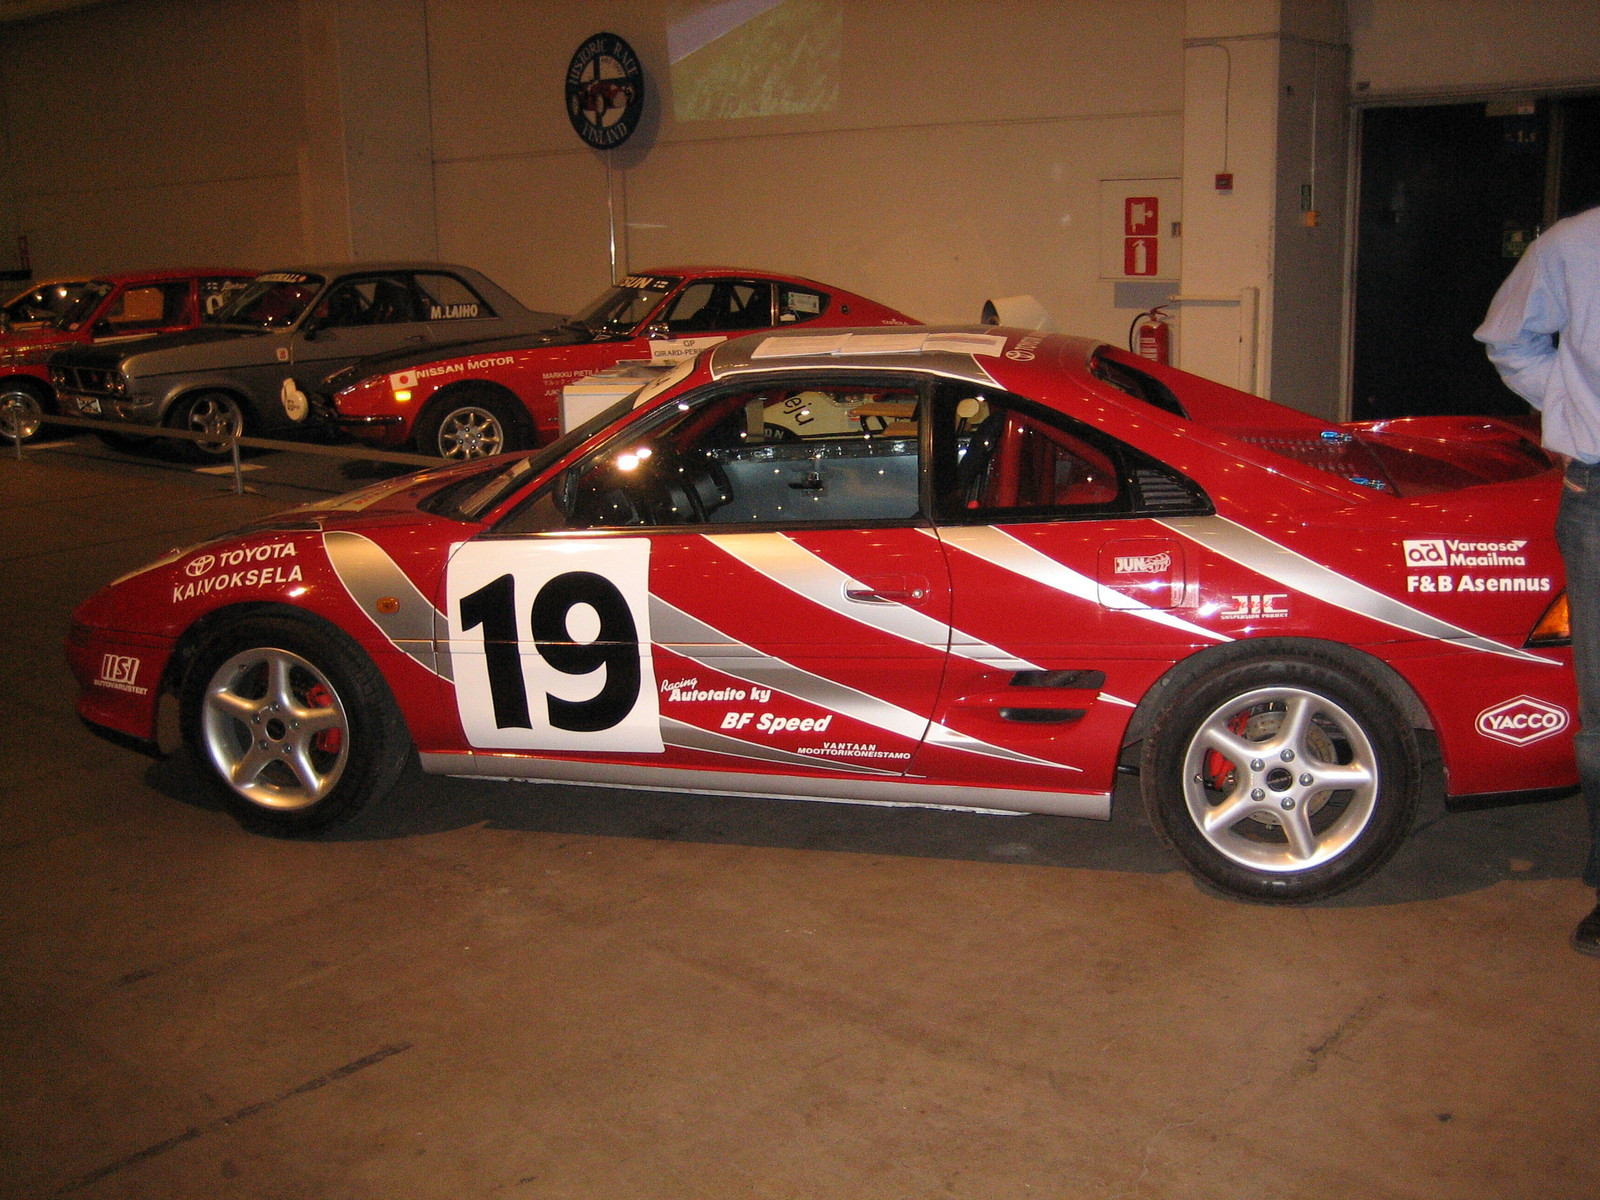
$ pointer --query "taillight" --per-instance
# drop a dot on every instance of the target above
(1555, 627)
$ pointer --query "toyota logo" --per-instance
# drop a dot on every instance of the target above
(199, 566)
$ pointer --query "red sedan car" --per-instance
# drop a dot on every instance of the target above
(1027, 564)
(506, 395)
(103, 310)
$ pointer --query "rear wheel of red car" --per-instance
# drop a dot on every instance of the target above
(472, 424)
(22, 412)
(291, 725)
(215, 413)
(1282, 781)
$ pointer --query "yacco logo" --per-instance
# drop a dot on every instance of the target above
(199, 566)
(1522, 721)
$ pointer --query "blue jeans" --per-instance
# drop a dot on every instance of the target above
(1578, 535)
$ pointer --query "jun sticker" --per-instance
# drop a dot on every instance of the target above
(550, 645)
(1143, 564)
(1523, 721)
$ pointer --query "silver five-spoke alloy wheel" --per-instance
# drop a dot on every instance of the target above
(275, 729)
(1280, 779)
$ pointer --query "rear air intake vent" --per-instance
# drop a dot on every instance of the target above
(1160, 492)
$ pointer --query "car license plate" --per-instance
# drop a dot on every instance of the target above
(89, 406)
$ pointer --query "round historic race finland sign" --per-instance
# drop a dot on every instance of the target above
(605, 91)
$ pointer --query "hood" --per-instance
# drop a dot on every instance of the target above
(113, 354)
(555, 330)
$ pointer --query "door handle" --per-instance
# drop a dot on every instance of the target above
(887, 589)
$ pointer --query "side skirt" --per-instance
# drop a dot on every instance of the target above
(892, 792)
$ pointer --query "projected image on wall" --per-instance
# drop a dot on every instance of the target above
(754, 58)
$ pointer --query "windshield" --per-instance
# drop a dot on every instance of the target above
(469, 498)
(44, 303)
(619, 309)
(272, 301)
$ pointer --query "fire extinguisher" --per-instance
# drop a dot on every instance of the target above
(1151, 337)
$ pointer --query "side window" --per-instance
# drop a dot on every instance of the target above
(149, 306)
(796, 304)
(999, 457)
(378, 300)
(446, 298)
(820, 452)
(720, 304)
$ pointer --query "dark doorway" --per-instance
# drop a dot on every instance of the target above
(1450, 195)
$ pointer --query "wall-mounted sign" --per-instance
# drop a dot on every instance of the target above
(1139, 224)
(605, 91)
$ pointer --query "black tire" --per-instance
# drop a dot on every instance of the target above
(218, 413)
(23, 410)
(291, 725)
(472, 423)
(1281, 781)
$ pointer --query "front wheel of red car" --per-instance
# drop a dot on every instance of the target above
(1282, 781)
(291, 725)
(472, 424)
(22, 412)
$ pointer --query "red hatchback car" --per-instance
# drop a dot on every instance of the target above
(505, 395)
(103, 310)
(1024, 565)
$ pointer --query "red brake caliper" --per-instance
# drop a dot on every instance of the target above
(329, 741)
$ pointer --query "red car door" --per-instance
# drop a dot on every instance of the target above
(1071, 596)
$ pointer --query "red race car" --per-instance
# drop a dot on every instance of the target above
(1025, 563)
(506, 395)
(103, 310)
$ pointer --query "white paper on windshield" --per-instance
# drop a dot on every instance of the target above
(884, 343)
(798, 347)
(992, 344)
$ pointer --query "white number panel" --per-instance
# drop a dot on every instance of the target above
(550, 645)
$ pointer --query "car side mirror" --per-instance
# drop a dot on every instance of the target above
(658, 331)
(101, 328)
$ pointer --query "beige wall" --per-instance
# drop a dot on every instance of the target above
(961, 161)
(1443, 47)
(957, 157)
(161, 131)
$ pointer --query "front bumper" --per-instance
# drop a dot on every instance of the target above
(388, 429)
(108, 408)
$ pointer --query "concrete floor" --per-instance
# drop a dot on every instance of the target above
(493, 990)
